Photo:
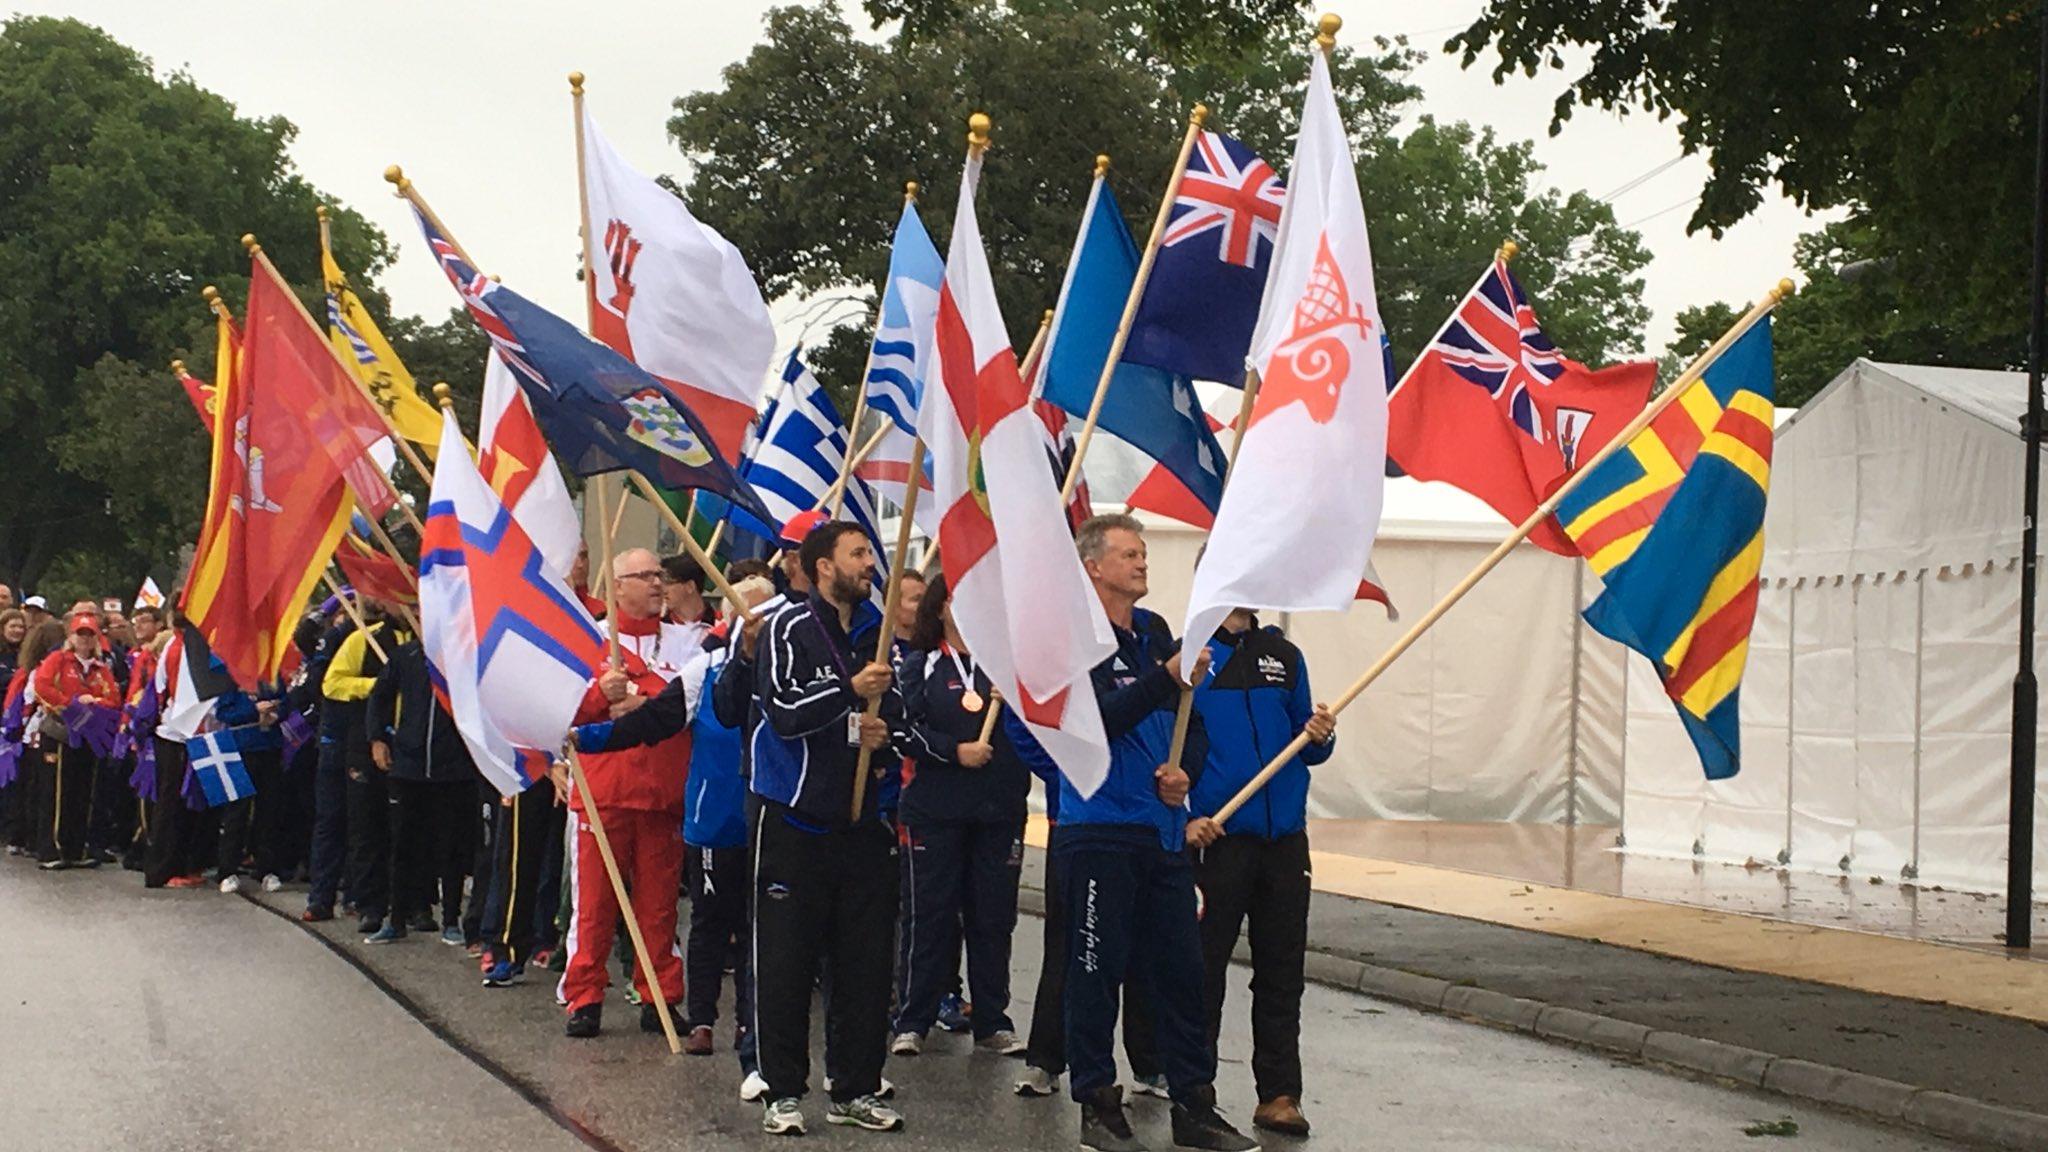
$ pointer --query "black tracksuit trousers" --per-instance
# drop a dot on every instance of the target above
(959, 878)
(1048, 1040)
(520, 848)
(823, 900)
(718, 922)
(1267, 882)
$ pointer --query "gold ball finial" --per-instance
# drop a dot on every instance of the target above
(910, 189)
(1048, 315)
(249, 242)
(209, 294)
(395, 176)
(1200, 114)
(444, 396)
(1508, 249)
(1101, 163)
(977, 130)
(576, 83)
(320, 212)
(178, 366)
(1326, 30)
(1786, 288)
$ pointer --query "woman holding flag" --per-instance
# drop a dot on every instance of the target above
(74, 689)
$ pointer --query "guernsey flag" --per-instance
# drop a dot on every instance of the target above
(1674, 525)
(216, 590)
(356, 337)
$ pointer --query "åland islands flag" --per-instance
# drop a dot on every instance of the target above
(510, 647)
(1673, 523)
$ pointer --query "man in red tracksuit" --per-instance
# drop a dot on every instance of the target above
(639, 796)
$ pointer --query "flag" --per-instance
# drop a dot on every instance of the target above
(355, 335)
(1492, 407)
(215, 595)
(1673, 523)
(1161, 493)
(215, 760)
(510, 647)
(515, 460)
(1202, 298)
(672, 295)
(600, 411)
(799, 458)
(1020, 597)
(149, 595)
(1060, 448)
(1296, 527)
(1152, 410)
(200, 393)
(900, 360)
(192, 679)
(369, 571)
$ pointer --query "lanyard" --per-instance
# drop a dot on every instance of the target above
(966, 677)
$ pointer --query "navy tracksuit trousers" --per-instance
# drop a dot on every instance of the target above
(1131, 916)
(959, 877)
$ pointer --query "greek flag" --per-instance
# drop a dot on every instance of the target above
(901, 354)
(802, 448)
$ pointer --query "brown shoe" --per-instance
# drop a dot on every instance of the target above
(1281, 1114)
(700, 1042)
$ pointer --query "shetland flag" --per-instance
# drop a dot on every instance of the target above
(510, 646)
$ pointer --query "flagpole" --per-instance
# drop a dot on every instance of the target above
(355, 614)
(691, 546)
(1123, 327)
(860, 400)
(419, 466)
(1542, 513)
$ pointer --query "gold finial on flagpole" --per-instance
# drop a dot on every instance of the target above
(576, 83)
(1048, 317)
(978, 126)
(249, 242)
(1508, 250)
(1785, 288)
(1101, 164)
(210, 294)
(444, 396)
(910, 189)
(1198, 115)
(178, 366)
(1326, 30)
(395, 176)
(320, 212)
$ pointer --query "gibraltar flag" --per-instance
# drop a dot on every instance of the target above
(515, 461)
(672, 295)
(1299, 515)
(1022, 601)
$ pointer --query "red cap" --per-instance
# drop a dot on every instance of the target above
(84, 623)
(801, 525)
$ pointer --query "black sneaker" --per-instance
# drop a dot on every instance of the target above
(650, 1018)
(368, 925)
(585, 1022)
(1197, 1124)
(1103, 1126)
(425, 922)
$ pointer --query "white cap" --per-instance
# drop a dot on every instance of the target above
(36, 602)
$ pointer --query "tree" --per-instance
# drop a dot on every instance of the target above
(800, 157)
(121, 194)
(1908, 115)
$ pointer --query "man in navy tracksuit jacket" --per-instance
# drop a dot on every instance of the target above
(1130, 887)
(1253, 703)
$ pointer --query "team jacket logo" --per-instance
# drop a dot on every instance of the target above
(1311, 364)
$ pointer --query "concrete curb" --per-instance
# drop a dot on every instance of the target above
(1940, 1113)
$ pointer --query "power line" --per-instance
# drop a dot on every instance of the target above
(1688, 202)
(1629, 186)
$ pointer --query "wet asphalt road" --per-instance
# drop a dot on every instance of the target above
(171, 1021)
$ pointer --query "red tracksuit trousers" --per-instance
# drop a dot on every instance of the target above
(649, 849)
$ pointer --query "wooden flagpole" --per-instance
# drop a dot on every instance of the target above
(354, 613)
(860, 400)
(600, 483)
(1543, 512)
(405, 447)
(696, 550)
(1123, 327)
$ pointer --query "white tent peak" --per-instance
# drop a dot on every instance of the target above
(1994, 396)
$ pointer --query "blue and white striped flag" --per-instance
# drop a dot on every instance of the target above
(901, 357)
(798, 459)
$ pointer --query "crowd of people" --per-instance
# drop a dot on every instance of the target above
(840, 826)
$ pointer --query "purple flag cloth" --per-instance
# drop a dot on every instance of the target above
(12, 723)
(296, 729)
(195, 796)
(92, 726)
(143, 779)
(124, 743)
(10, 761)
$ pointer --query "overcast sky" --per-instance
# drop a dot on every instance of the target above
(470, 98)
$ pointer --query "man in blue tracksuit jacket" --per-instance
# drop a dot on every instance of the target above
(1130, 887)
(1253, 703)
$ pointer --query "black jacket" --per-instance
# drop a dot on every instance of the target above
(803, 679)
(938, 788)
(403, 712)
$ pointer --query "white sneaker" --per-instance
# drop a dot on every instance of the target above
(1037, 1081)
(753, 1088)
(865, 1112)
(906, 1044)
(231, 885)
(783, 1118)
(1003, 1043)
(272, 884)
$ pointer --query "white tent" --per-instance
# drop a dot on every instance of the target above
(1876, 710)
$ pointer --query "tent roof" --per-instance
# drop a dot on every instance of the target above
(1997, 398)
